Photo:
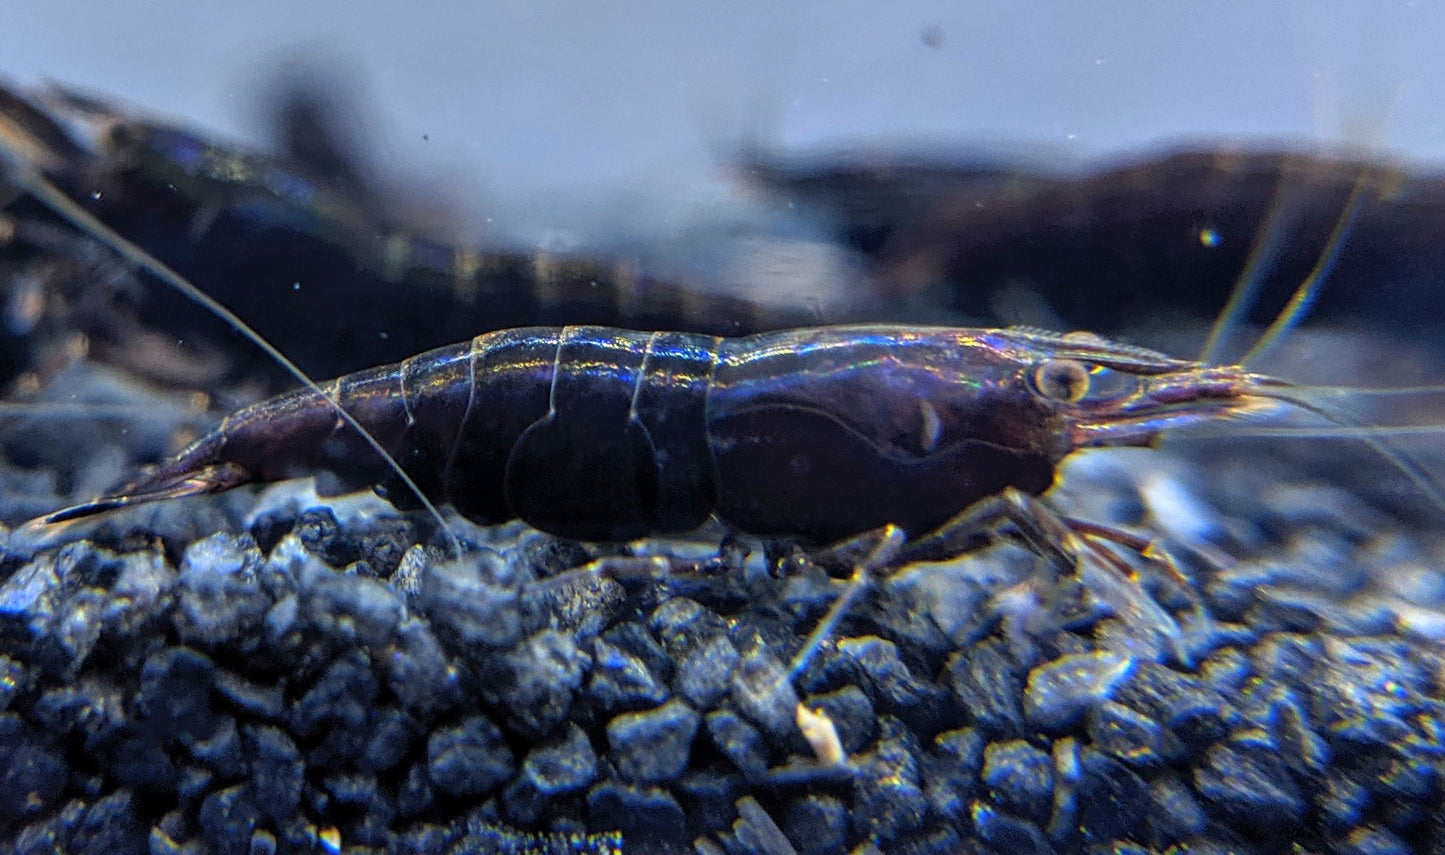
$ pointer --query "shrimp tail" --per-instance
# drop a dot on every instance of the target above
(188, 475)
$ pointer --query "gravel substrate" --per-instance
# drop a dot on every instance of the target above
(231, 676)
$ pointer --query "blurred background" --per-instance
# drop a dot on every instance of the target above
(552, 117)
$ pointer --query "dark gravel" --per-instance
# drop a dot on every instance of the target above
(347, 686)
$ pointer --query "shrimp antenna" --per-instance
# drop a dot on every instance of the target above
(1267, 243)
(1295, 310)
(1346, 431)
(31, 181)
(1374, 438)
(1246, 291)
(1304, 296)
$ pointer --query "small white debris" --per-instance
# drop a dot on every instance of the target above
(822, 735)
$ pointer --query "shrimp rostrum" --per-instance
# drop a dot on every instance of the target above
(827, 433)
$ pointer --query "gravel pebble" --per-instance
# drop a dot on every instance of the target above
(536, 679)
(642, 814)
(1130, 736)
(277, 776)
(1250, 785)
(989, 684)
(469, 759)
(706, 673)
(550, 770)
(888, 784)
(739, 741)
(1059, 692)
(621, 681)
(817, 825)
(762, 692)
(653, 746)
(1020, 777)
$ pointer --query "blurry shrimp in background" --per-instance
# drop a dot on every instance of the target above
(327, 270)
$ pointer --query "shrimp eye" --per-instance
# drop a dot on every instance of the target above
(1061, 380)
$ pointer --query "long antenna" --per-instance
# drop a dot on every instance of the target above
(1304, 296)
(1251, 278)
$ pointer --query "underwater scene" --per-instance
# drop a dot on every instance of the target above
(930, 493)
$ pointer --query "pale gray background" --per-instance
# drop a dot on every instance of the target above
(547, 115)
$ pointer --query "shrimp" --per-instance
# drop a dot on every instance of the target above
(597, 433)
(1094, 247)
(905, 443)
